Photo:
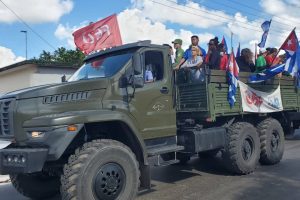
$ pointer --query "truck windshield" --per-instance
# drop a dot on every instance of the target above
(101, 67)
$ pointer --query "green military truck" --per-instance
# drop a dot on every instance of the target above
(92, 136)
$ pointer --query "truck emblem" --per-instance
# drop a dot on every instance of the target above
(158, 107)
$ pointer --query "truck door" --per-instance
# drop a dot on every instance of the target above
(153, 102)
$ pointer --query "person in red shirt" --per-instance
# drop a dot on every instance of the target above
(224, 57)
(271, 56)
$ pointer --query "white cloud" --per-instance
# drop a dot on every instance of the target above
(64, 33)
(190, 13)
(146, 20)
(35, 11)
(134, 26)
(243, 29)
(8, 57)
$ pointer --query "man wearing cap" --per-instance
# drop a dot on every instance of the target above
(179, 51)
(188, 52)
(260, 64)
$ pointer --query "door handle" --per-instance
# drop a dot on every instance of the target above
(164, 90)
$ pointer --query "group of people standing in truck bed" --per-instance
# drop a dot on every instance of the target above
(190, 63)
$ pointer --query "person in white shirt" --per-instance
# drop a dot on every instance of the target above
(193, 65)
(148, 74)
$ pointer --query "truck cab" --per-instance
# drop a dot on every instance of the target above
(92, 136)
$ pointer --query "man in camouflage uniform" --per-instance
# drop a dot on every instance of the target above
(179, 51)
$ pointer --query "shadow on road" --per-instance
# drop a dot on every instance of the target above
(195, 167)
(275, 183)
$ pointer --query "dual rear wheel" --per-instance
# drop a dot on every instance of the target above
(246, 145)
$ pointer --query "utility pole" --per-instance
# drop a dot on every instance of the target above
(25, 32)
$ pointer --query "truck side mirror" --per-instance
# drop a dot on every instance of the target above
(63, 78)
(137, 64)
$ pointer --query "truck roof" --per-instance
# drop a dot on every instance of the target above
(144, 43)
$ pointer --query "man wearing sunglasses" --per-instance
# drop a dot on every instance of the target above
(188, 52)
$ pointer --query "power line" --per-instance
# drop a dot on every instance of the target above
(219, 16)
(203, 11)
(263, 14)
(27, 25)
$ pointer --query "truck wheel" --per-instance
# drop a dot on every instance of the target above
(242, 148)
(272, 141)
(101, 170)
(36, 186)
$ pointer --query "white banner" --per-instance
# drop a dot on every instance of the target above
(260, 102)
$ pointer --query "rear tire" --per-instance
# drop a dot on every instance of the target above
(101, 170)
(272, 141)
(36, 186)
(242, 148)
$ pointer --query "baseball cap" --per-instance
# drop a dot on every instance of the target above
(177, 41)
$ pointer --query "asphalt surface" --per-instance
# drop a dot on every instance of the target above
(206, 179)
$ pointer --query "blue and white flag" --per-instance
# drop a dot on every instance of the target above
(238, 51)
(267, 74)
(224, 44)
(265, 27)
(233, 76)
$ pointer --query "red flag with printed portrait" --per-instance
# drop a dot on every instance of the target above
(99, 35)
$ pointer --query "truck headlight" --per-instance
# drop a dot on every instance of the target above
(37, 134)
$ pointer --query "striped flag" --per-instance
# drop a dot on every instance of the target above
(265, 27)
(267, 74)
(238, 51)
(224, 44)
(233, 76)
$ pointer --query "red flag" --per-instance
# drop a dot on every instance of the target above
(291, 42)
(99, 35)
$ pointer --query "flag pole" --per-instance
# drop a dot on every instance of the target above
(231, 36)
(283, 44)
(255, 53)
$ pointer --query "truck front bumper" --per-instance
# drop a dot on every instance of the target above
(22, 160)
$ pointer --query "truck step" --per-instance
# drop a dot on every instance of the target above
(164, 149)
(166, 163)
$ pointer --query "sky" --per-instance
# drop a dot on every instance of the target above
(50, 23)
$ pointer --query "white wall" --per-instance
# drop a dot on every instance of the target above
(15, 79)
(30, 75)
(46, 75)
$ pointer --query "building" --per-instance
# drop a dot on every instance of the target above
(30, 73)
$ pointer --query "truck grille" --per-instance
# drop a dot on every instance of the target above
(6, 117)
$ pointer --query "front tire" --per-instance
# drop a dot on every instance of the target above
(242, 148)
(101, 170)
(272, 141)
(36, 186)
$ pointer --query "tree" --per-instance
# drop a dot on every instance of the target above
(63, 55)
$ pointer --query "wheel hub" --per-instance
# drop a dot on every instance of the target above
(275, 141)
(247, 149)
(109, 181)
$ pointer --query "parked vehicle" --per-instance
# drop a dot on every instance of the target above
(91, 137)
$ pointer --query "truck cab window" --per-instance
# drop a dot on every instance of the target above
(154, 66)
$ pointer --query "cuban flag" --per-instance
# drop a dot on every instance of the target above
(292, 52)
(238, 51)
(267, 74)
(225, 44)
(233, 76)
(292, 64)
(265, 27)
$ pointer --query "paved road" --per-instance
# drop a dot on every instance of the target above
(207, 179)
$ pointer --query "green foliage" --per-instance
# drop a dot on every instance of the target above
(62, 55)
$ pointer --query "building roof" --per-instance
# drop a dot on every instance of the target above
(40, 64)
